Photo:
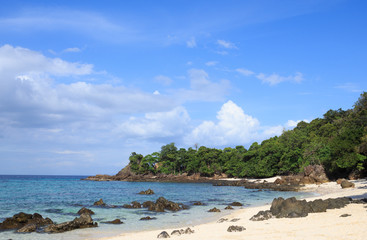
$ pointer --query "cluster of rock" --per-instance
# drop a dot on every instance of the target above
(26, 223)
(312, 174)
(147, 192)
(164, 234)
(258, 185)
(235, 228)
(293, 208)
(160, 205)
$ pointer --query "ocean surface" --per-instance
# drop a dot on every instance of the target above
(60, 198)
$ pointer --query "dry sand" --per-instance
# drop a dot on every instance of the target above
(327, 225)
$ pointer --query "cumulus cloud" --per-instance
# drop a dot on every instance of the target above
(245, 72)
(164, 80)
(157, 125)
(293, 124)
(233, 126)
(191, 43)
(226, 44)
(74, 49)
(274, 79)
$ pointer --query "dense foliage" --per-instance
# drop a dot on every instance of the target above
(338, 141)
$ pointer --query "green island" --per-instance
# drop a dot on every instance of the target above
(338, 142)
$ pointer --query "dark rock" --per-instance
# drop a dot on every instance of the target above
(169, 205)
(346, 184)
(99, 203)
(228, 208)
(84, 221)
(163, 234)
(135, 204)
(116, 221)
(28, 228)
(147, 192)
(236, 204)
(214, 210)
(235, 220)
(198, 203)
(282, 208)
(147, 218)
(163, 204)
(85, 210)
(222, 220)
(345, 215)
(235, 229)
(22, 219)
(176, 232)
(340, 180)
(262, 215)
(188, 231)
(148, 204)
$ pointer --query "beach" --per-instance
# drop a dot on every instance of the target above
(325, 225)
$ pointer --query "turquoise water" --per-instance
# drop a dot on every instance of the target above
(60, 197)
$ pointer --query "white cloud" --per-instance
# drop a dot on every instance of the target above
(233, 127)
(350, 87)
(156, 92)
(226, 44)
(191, 43)
(275, 79)
(245, 72)
(293, 124)
(74, 49)
(211, 63)
(156, 125)
(163, 80)
(201, 88)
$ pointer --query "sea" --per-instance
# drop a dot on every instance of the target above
(60, 198)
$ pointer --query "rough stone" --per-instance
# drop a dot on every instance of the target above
(163, 234)
(228, 208)
(235, 228)
(84, 221)
(85, 210)
(147, 218)
(262, 215)
(236, 204)
(99, 203)
(214, 210)
(147, 192)
(346, 184)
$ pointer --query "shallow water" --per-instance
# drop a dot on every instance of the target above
(60, 198)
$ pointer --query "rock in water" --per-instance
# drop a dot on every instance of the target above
(28, 228)
(84, 221)
(236, 204)
(116, 221)
(85, 210)
(147, 192)
(20, 220)
(235, 229)
(147, 218)
(163, 234)
(99, 203)
(214, 210)
(346, 184)
(228, 208)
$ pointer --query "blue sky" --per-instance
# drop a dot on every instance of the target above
(85, 83)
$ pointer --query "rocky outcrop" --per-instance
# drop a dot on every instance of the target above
(163, 204)
(229, 208)
(198, 203)
(147, 192)
(99, 203)
(259, 185)
(133, 204)
(163, 234)
(85, 210)
(236, 204)
(214, 210)
(235, 228)
(346, 184)
(312, 174)
(24, 221)
(116, 221)
(147, 218)
(293, 208)
(84, 221)
(181, 232)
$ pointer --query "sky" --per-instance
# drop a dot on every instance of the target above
(83, 84)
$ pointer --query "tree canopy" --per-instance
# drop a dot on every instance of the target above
(338, 141)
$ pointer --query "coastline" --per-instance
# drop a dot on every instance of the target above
(325, 225)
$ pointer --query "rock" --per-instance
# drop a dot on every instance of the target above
(135, 204)
(28, 228)
(346, 184)
(222, 220)
(198, 203)
(147, 218)
(85, 210)
(235, 220)
(116, 221)
(163, 234)
(236, 204)
(148, 204)
(176, 232)
(282, 208)
(188, 231)
(262, 215)
(316, 173)
(163, 204)
(21, 219)
(147, 192)
(214, 210)
(339, 181)
(84, 221)
(99, 203)
(228, 208)
(345, 215)
(235, 229)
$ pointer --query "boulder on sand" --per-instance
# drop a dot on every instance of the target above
(84, 221)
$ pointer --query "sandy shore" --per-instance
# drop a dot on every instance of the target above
(327, 225)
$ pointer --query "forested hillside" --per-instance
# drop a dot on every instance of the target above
(338, 141)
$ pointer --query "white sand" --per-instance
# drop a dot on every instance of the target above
(328, 225)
